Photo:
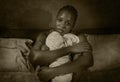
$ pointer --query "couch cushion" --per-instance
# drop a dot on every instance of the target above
(18, 77)
(13, 54)
(106, 50)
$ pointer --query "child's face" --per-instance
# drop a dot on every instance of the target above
(64, 22)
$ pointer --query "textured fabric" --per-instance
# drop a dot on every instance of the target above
(56, 41)
(14, 55)
(18, 77)
(106, 51)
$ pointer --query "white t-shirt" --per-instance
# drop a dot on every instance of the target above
(56, 41)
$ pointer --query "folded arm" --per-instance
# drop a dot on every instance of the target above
(38, 57)
(78, 65)
(45, 57)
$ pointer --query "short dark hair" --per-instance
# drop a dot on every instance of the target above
(70, 9)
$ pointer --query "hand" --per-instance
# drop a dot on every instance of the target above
(44, 47)
(45, 74)
(80, 47)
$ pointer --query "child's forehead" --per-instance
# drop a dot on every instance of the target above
(65, 11)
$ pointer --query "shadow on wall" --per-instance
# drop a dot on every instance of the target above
(36, 19)
(16, 24)
(94, 16)
(23, 18)
(38, 13)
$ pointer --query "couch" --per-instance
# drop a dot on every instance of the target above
(106, 53)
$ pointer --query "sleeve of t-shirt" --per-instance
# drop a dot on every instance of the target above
(40, 41)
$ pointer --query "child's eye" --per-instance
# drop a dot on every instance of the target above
(59, 20)
(68, 23)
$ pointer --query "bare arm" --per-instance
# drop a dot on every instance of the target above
(81, 63)
(76, 66)
(45, 57)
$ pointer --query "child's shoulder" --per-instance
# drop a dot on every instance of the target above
(43, 35)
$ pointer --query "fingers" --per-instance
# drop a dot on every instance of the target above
(82, 47)
(44, 47)
(83, 43)
(43, 76)
(86, 49)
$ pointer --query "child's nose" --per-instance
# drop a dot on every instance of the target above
(63, 25)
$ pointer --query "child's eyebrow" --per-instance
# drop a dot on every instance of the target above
(70, 20)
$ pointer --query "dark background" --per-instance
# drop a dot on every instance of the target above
(18, 18)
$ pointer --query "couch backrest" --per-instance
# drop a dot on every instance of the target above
(106, 50)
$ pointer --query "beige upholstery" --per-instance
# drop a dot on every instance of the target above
(13, 54)
(106, 51)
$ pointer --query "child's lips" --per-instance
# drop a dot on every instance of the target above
(60, 30)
